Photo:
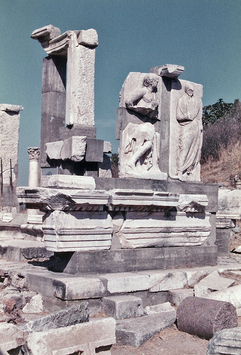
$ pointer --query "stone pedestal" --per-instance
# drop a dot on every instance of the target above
(124, 219)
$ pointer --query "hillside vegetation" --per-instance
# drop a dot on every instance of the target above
(221, 152)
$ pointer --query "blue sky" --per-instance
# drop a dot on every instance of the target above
(134, 35)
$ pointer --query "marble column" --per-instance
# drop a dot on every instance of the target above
(34, 155)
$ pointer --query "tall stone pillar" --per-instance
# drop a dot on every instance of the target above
(9, 138)
(33, 154)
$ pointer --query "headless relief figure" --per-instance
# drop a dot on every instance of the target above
(189, 117)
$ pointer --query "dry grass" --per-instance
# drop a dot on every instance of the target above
(222, 171)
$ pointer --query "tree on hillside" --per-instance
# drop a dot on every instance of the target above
(213, 113)
(222, 128)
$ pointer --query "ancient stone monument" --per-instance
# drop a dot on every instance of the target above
(158, 202)
(9, 137)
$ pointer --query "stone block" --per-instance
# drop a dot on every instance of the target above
(122, 307)
(194, 276)
(175, 297)
(204, 317)
(226, 341)
(11, 337)
(88, 38)
(145, 229)
(215, 282)
(165, 281)
(74, 148)
(76, 231)
(105, 167)
(79, 313)
(74, 288)
(126, 282)
(231, 294)
(94, 150)
(96, 336)
(201, 291)
(107, 148)
(70, 182)
(53, 149)
(35, 305)
(160, 308)
(136, 331)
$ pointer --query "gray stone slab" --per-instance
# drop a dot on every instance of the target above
(53, 102)
(79, 313)
(94, 150)
(123, 260)
(136, 331)
(122, 307)
(226, 341)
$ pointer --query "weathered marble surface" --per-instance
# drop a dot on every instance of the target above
(79, 48)
(139, 152)
(185, 130)
(9, 137)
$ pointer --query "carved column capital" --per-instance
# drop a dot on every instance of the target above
(34, 153)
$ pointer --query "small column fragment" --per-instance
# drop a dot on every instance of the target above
(33, 154)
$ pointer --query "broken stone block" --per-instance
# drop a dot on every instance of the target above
(88, 38)
(201, 291)
(74, 148)
(70, 182)
(194, 276)
(96, 336)
(165, 281)
(226, 341)
(79, 313)
(122, 307)
(79, 288)
(11, 337)
(136, 331)
(35, 305)
(107, 147)
(160, 308)
(175, 297)
(231, 294)
(215, 282)
(204, 317)
(53, 149)
(126, 282)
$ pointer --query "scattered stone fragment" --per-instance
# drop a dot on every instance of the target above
(160, 308)
(215, 282)
(96, 336)
(35, 305)
(226, 341)
(201, 291)
(231, 294)
(121, 307)
(11, 337)
(204, 317)
(136, 331)
(79, 313)
(175, 297)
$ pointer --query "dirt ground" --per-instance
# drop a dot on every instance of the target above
(169, 341)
